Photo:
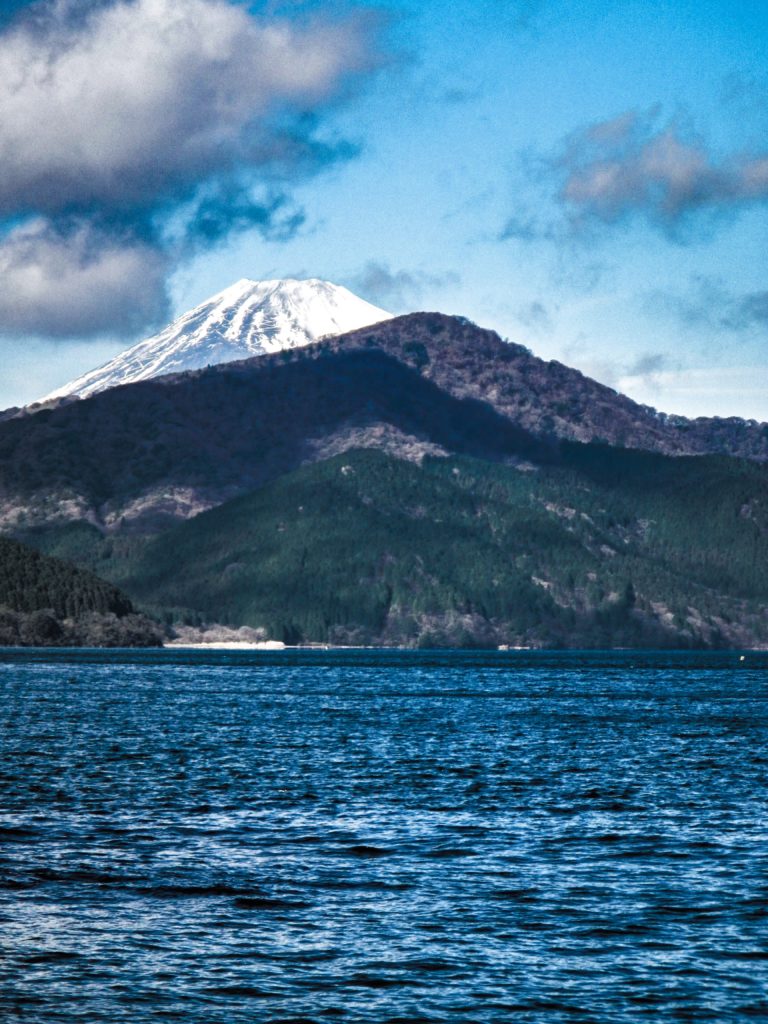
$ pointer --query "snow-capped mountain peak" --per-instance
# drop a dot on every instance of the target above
(249, 318)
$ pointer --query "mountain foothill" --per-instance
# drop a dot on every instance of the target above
(415, 481)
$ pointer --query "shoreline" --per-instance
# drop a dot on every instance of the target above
(228, 645)
(278, 645)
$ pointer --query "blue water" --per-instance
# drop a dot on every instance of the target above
(365, 837)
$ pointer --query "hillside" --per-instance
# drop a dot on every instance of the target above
(417, 482)
(545, 398)
(606, 548)
(155, 451)
(256, 318)
(158, 451)
(47, 602)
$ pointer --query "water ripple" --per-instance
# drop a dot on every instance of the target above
(370, 838)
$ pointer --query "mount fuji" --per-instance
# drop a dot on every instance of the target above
(250, 318)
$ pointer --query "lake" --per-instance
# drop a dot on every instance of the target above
(318, 836)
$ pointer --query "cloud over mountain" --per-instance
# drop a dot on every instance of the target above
(630, 165)
(398, 288)
(710, 303)
(158, 126)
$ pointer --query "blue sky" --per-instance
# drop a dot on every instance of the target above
(590, 179)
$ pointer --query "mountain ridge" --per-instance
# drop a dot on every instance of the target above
(255, 318)
(548, 397)
(171, 447)
(416, 482)
(542, 389)
(414, 385)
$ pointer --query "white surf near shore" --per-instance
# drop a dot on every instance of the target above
(230, 645)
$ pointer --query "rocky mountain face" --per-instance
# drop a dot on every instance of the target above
(250, 318)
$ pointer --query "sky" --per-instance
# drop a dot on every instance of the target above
(590, 179)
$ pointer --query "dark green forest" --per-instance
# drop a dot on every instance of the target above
(605, 547)
(45, 601)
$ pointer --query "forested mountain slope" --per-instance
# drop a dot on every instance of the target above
(408, 483)
(45, 601)
(168, 448)
(547, 397)
(423, 383)
(605, 548)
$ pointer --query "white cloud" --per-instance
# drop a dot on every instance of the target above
(628, 165)
(145, 98)
(134, 132)
(80, 283)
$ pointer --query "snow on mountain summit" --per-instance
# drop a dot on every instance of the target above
(249, 318)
